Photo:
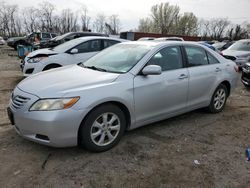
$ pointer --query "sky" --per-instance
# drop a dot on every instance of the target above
(130, 11)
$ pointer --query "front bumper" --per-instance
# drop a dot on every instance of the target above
(57, 128)
(245, 78)
(30, 68)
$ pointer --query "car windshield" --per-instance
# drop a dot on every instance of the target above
(240, 46)
(219, 45)
(67, 45)
(119, 58)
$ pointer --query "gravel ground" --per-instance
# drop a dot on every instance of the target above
(158, 155)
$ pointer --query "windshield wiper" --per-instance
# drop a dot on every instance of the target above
(94, 68)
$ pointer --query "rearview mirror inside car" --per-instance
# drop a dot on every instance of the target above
(151, 70)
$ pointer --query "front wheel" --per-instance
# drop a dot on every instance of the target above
(247, 86)
(219, 99)
(103, 128)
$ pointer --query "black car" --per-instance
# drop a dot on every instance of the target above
(245, 78)
(67, 37)
(30, 39)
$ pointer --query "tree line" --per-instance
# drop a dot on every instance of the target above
(45, 18)
(166, 19)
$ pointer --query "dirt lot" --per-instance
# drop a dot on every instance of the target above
(157, 155)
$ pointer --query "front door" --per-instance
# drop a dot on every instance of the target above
(157, 96)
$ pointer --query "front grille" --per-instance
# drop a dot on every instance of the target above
(230, 57)
(18, 101)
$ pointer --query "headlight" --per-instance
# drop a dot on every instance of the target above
(36, 59)
(53, 104)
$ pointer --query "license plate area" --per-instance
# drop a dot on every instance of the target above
(11, 116)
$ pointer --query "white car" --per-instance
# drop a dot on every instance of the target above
(71, 52)
(2, 41)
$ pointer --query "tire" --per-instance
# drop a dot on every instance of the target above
(247, 86)
(219, 99)
(51, 66)
(97, 136)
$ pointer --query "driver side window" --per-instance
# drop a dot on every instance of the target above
(169, 58)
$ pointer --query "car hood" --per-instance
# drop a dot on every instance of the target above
(45, 51)
(235, 53)
(66, 80)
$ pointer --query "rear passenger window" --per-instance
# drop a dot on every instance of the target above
(108, 43)
(196, 56)
(169, 58)
(211, 59)
(89, 46)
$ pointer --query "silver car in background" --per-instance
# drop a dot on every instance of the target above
(123, 87)
(239, 52)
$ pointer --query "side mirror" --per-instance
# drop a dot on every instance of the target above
(74, 51)
(151, 70)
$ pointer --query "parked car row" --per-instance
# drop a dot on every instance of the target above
(35, 37)
(47, 40)
(125, 86)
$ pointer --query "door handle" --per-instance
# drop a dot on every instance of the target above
(183, 76)
(217, 70)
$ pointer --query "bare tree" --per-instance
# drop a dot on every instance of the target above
(113, 26)
(164, 16)
(46, 12)
(187, 24)
(218, 27)
(237, 32)
(9, 19)
(68, 21)
(85, 19)
(99, 23)
(145, 25)
(30, 19)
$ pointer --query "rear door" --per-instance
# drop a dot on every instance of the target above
(203, 70)
(156, 96)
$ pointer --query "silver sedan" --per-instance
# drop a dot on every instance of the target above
(123, 87)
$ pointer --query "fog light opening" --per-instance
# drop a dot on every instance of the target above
(42, 137)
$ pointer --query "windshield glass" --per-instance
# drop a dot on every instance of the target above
(67, 45)
(119, 58)
(241, 46)
(219, 45)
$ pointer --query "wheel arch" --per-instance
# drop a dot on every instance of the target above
(122, 106)
(51, 65)
(228, 86)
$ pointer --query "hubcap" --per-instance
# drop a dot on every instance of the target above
(105, 129)
(219, 99)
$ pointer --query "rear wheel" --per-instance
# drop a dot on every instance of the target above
(219, 99)
(102, 128)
